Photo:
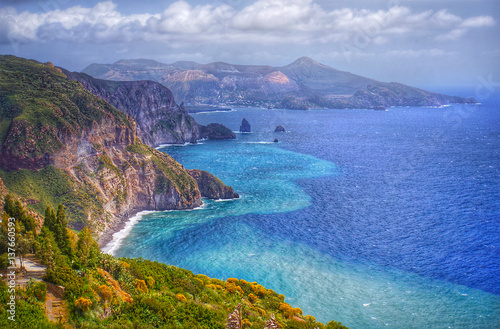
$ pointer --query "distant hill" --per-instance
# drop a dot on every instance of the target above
(302, 84)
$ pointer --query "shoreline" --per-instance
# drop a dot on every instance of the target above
(107, 235)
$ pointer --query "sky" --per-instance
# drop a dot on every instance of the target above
(423, 43)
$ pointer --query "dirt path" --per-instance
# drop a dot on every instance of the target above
(55, 305)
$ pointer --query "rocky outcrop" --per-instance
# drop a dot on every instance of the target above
(81, 151)
(234, 320)
(216, 131)
(272, 323)
(279, 129)
(211, 187)
(245, 126)
(159, 119)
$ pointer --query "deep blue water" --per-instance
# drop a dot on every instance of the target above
(371, 218)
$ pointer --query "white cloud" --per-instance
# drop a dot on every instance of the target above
(264, 21)
(479, 21)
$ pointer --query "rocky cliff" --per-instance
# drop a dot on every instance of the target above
(302, 84)
(159, 119)
(211, 187)
(62, 144)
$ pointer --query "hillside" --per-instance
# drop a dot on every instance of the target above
(61, 144)
(69, 283)
(302, 84)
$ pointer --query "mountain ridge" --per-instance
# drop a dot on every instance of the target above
(310, 84)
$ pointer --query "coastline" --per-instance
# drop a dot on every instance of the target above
(107, 235)
(110, 239)
(110, 234)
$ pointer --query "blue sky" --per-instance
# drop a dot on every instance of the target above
(418, 42)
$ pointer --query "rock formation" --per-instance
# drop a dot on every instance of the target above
(211, 187)
(279, 129)
(245, 126)
(276, 140)
(234, 319)
(80, 151)
(272, 323)
(159, 119)
(216, 131)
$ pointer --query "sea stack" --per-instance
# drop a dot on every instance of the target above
(245, 126)
(279, 129)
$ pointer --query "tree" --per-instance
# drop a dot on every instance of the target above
(57, 224)
(16, 209)
(9, 206)
(49, 252)
(63, 237)
(49, 218)
(19, 211)
(87, 249)
(23, 247)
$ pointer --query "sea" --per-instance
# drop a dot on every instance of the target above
(376, 219)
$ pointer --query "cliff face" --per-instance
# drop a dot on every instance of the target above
(61, 144)
(159, 119)
(211, 187)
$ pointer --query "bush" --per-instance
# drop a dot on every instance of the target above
(106, 293)
(83, 304)
(141, 286)
(150, 281)
(252, 298)
(181, 298)
(4, 262)
(38, 290)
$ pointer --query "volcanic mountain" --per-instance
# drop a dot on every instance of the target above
(302, 84)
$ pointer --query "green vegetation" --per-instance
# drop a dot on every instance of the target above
(102, 291)
(169, 171)
(38, 102)
(50, 186)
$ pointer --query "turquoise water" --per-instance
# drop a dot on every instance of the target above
(375, 219)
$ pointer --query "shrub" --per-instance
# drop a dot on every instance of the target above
(141, 286)
(4, 262)
(106, 293)
(150, 281)
(252, 298)
(83, 304)
(335, 325)
(38, 290)
(181, 298)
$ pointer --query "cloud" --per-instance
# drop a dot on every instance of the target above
(264, 21)
(479, 21)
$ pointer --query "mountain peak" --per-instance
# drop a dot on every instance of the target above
(305, 61)
(139, 62)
